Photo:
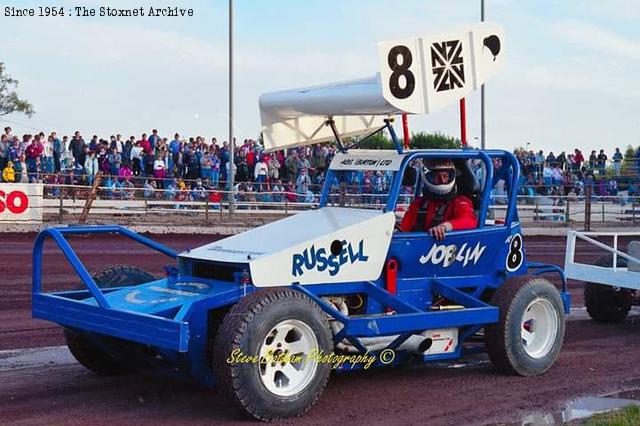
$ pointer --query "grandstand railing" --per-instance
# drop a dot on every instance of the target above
(62, 203)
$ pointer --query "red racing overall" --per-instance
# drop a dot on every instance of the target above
(458, 211)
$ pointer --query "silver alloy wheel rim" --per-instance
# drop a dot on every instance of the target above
(285, 366)
(539, 327)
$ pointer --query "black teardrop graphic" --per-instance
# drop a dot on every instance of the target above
(493, 44)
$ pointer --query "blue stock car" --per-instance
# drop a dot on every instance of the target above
(265, 314)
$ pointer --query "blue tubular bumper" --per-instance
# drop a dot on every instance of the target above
(545, 268)
(93, 310)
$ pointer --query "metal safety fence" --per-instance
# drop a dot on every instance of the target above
(66, 203)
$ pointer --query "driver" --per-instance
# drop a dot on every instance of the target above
(440, 209)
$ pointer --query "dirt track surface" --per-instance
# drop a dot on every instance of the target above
(596, 359)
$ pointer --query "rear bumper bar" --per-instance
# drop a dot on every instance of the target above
(141, 328)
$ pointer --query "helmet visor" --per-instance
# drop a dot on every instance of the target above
(440, 176)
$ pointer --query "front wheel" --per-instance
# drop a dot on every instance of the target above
(266, 354)
(528, 336)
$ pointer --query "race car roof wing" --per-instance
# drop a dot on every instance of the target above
(418, 76)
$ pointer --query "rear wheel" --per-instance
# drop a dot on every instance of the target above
(93, 357)
(606, 303)
(528, 336)
(83, 348)
(121, 275)
(264, 354)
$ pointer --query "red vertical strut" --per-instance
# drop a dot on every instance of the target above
(463, 122)
(391, 270)
(405, 130)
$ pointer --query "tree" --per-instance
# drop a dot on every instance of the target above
(434, 141)
(9, 100)
(377, 141)
(418, 141)
(629, 161)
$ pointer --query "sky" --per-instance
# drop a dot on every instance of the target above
(571, 77)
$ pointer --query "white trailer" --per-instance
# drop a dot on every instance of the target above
(611, 281)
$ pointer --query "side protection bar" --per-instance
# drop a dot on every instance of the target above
(57, 234)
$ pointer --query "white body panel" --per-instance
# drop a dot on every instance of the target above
(444, 341)
(297, 249)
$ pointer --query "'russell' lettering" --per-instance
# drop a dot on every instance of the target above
(320, 260)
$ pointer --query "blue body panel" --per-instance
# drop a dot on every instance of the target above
(173, 315)
(464, 257)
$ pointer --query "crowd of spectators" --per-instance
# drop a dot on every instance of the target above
(156, 167)
(177, 168)
(571, 174)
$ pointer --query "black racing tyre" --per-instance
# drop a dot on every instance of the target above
(528, 336)
(121, 275)
(83, 350)
(607, 303)
(92, 357)
(287, 323)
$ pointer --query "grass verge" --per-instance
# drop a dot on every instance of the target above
(628, 416)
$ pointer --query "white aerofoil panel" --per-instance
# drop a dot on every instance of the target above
(328, 245)
(298, 116)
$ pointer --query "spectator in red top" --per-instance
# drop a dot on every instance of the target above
(251, 159)
(33, 152)
(145, 144)
(440, 209)
(578, 159)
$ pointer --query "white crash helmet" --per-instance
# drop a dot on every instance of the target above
(438, 190)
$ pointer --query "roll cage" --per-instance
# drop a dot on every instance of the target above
(509, 163)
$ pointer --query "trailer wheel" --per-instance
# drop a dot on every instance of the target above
(528, 336)
(85, 351)
(276, 330)
(607, 303)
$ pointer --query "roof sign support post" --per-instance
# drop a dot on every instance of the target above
(334, 129)
(394, 137)
(483, 142)
(375, 132)
(463, 122)
(232, 145)
(405, 129)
